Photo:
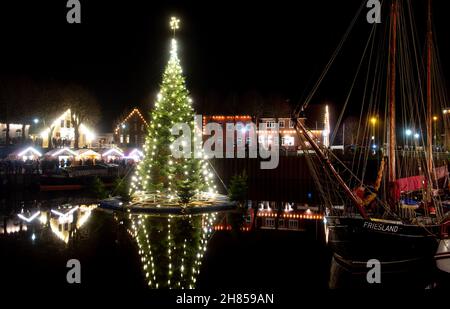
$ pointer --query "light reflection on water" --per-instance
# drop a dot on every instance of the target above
(171, 248)
(63, 221)
(164, 251)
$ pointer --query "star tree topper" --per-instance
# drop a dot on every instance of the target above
(174, 24)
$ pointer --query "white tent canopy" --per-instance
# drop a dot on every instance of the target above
(29, 153)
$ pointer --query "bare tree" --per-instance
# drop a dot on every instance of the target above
(16, 96)
(84, 108)
(47, 106)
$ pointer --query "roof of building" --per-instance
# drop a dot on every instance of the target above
(135, 111)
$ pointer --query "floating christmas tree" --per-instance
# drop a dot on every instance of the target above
(160, 173)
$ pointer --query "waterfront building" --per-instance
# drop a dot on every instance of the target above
(131, 131)
(17, 132)
(61, 133)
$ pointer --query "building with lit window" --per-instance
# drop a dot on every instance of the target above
(238, 125)
(130, 132)
(288, 138)
(266, 132)
(17, 132)
(61, 133)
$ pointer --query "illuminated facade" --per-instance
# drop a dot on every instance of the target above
(61, 133)
(17, 132)
(131, 131)
(266, 133)
(238, 125)
(288, 138)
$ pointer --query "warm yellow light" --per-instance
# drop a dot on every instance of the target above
(44, 134)
(174, 23)
(373, 120)
(435, 118)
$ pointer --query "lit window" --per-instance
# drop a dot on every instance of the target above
(270, 124)
(293, 224)
(287, 141)
(128, 138)
(121, 138)
(270, 222)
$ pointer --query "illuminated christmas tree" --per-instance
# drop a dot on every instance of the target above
(173, 179)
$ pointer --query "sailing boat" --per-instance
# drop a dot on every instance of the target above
(377, 222)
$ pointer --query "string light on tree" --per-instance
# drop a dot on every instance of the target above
(174, 24)
(174, 178)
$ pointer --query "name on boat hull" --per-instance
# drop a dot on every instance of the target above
(381, 227)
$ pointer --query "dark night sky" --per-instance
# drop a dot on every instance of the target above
(227, 47)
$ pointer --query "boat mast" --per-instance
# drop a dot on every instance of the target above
(327, 163)
(429, 101)
(391, 83)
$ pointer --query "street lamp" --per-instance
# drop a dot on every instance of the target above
(408, 133)
(36, 120)
(435, 118)
(373, 121)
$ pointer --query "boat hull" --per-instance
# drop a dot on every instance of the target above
(443, 256)
(356, 241)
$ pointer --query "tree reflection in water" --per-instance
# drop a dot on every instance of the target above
(171, 247)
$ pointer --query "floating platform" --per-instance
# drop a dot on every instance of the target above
(116, 204)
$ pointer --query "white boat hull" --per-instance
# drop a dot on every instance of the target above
(443, 256)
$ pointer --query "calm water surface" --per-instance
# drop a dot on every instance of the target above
(142, 252)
